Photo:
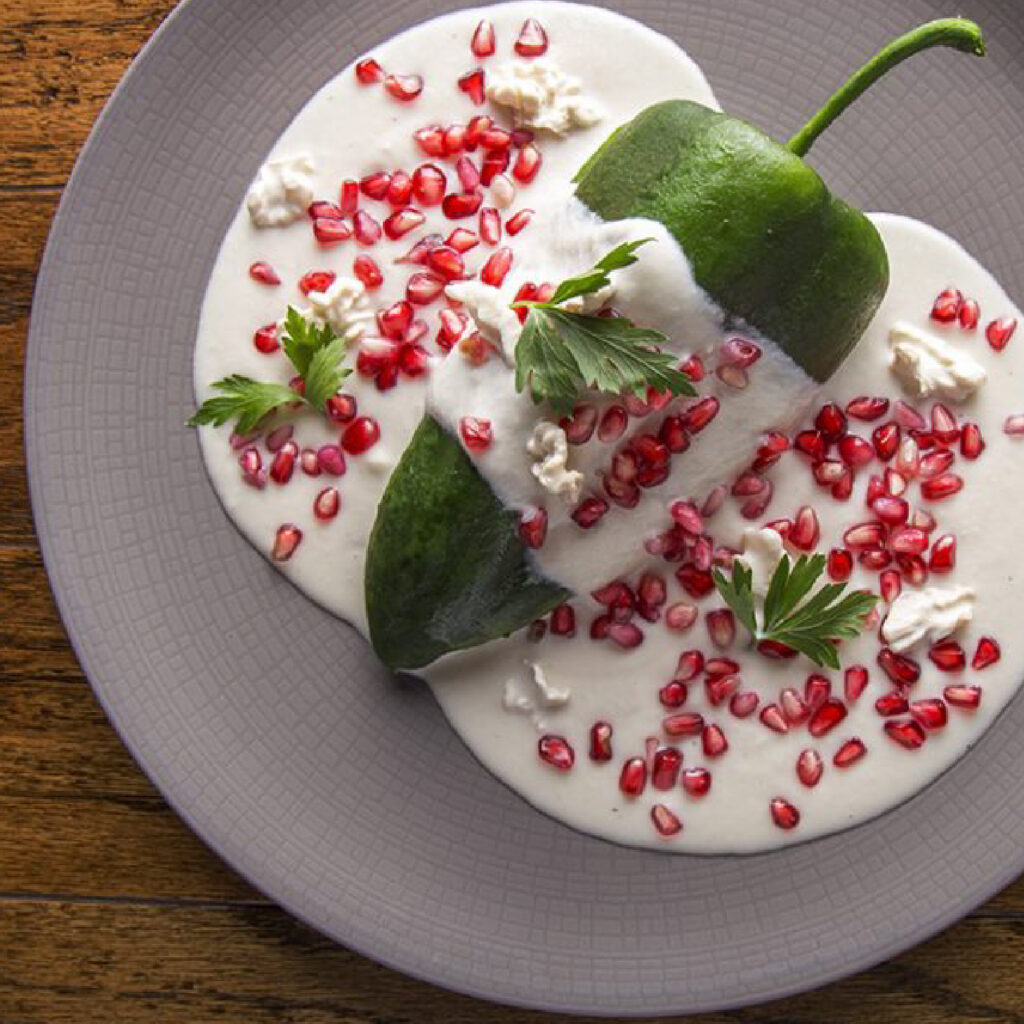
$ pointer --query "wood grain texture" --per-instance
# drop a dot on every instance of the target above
(110, 910)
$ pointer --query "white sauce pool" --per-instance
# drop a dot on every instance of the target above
(491, 695)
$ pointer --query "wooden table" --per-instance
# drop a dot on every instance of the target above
(110, 909)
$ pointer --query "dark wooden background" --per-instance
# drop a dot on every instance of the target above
(110, 910)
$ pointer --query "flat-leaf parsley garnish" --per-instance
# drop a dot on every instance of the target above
(561, 352)
(317, 354)
(808, 624)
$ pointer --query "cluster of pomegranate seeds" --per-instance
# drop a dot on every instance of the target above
(951, 307)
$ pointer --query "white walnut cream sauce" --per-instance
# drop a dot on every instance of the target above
(637, 712)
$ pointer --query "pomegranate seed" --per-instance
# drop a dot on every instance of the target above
(327, 503)
(867, 408)
(493, 137)
(490, 225)
(665, 770)
(849, 753)
(689, 666)
(422, 289)
(613, 424)
(714, 501)
(969, 314)
(817, 689)
(533, 522)
(556, 751)
(316, 281)
(895, 483)
(476, 433)
(890, 510)
(963, 696)
(680, 616)
(369, 72)
(987, 653)
(403, 87)
(626, 634)
(673, 694)
(533, 40)
(367, 230)
(886, 440)
(855, 681)
(430, 140)
(830, 422)
(1013, 426)
(948, 656)
(599, 627)
(665, 821)
(633, 777)
(468, 175)
(890, 704)
(696, 582)
(458, 205)
(828, 471)
(721, 627)
(943, 555)
(497, 267)
(693, 367)
(651, 595)
(563, 619)
(286, 540)
(855, 451)
(330, 460)
(972, 444)
(580, 426)
(940, 487)
(864, 535)
(264, 273)
(461, 240)
(903, 671)
(696, 781)
(999, 332)
(394, 321)
(772, 716)
(361, 434)
(472, 84)
(784, 814)
(698, 416)
(908, 458)
(589, 512)
(283, 465)
(494, 163)
(811, 444)
(368, 273)
(742, 705)
(721, 666)
(890, 584)
(265, 339)
(686, 723)
(907, 540)
(413, 359)
(748, 483)
(809, 768)
(686, 515)
(908, 734)
(400, 190)
(349, 197)
(401, 222)
(806, 531)
(482, 43)
(947, 305)
(713, 741)
(718, 689)
(840, 564)
(601, 741)
(775, 650)
(907, 417)
(826, 718)
(341, 409)
(794, 707)
(376, 185)
(945, 429)
(527, 164)
(518, 221)
(739, 352)
(454, 139)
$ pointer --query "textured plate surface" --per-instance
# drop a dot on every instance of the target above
(268, 724)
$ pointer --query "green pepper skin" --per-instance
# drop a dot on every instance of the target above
(445, 567)
(766, 239)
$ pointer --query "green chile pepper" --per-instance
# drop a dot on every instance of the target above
(767, 241)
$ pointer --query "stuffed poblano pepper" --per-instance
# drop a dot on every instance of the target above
(447, 566)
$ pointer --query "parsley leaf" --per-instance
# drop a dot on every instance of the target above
(244, 399)
(559, 352)
(806, 624)
(314, 350)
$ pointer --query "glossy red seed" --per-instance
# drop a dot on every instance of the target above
(855, 451)
(784, 814)
(476, 433)
(867, 408)
(673, 694)
(890, 583)
(533, 40)
(817, 689)
(497, 267)
(941, 487)
(809, 768)
(458, 205)
(826, 718)
(316, 281)
(527, 164)
(947, 306)
(742, 705)
(698, 416)
(908, 734)
(889, 704)
(886, 440)
(840, 564)
(369, 71)
(969, 314)
(330, 460)
(600, 741)
(472, 84)
(401, 222)
(286, 540)
(830, 422)
(908, 540)
(696, 582)
(667, 823)
(533, 526)
(930, 713)
(665, 768)
(633, 777)
(972, 444)
(999, 332)
(772, 716)
(849, 753)
(556, 751)
(899, 668)
(963, 696)
(482, 44)
(689, 666)
(361, 434)
(518, 221)
(713, 741)
(696, 781)
(589, 512)
(942, 557)
(806, 531)
(326, 504)
(719, 689)
(685, 723)
(612, 424)
(987, 653)
(265, 339)
(366, 229)
(430, 140)
(855, 681)
(403, 87)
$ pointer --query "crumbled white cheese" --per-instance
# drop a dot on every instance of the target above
(761, 553)
(281, 192)
(344, 306)
(550, 696)
(592, 302)
(490, 312)
(929, 614)
(514, 699)
(550, 449)
(927, 364)
(540, 95)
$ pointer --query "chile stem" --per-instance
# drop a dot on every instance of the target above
(959, 33)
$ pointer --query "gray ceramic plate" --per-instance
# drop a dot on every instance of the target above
(269, 726)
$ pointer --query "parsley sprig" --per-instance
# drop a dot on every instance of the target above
(809, 624)
(317, 354)
(561, 352)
